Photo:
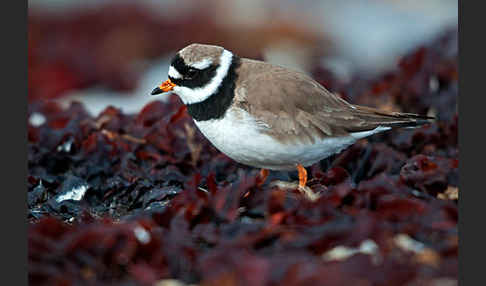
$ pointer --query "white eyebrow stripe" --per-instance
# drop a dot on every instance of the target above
(173, 73)
(204, 63)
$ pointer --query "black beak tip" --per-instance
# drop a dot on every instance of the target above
(156, 90)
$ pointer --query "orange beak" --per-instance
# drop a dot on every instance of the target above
(164, 87)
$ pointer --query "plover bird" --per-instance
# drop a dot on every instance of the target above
(268, 116)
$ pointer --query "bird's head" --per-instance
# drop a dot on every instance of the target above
(196, 72)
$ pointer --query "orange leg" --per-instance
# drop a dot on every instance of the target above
(302, 175)
(263, 176)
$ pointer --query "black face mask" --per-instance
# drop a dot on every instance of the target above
(216, 104)
(192, 77)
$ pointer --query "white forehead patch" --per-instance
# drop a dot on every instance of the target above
(173, 73)
(194, 95)
(204, 63)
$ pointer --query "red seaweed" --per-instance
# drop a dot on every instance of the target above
(134, 199)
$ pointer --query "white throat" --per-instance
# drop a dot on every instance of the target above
(194, 95)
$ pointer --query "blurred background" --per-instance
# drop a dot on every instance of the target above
(114, 52)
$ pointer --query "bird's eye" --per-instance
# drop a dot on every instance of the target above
(191, 73)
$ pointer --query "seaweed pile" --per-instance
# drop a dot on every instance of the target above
(141, 199)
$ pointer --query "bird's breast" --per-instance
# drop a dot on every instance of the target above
(239, 136)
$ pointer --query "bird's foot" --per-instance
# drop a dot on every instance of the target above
(302, 176)
(306, 191)
(262, 177)
(309, 193)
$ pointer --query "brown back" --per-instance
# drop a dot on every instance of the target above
(296, 108)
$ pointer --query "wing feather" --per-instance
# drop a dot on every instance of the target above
(296, 108)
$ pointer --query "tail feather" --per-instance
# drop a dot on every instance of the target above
(391, 119)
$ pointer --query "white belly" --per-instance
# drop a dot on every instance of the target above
(237, 135)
